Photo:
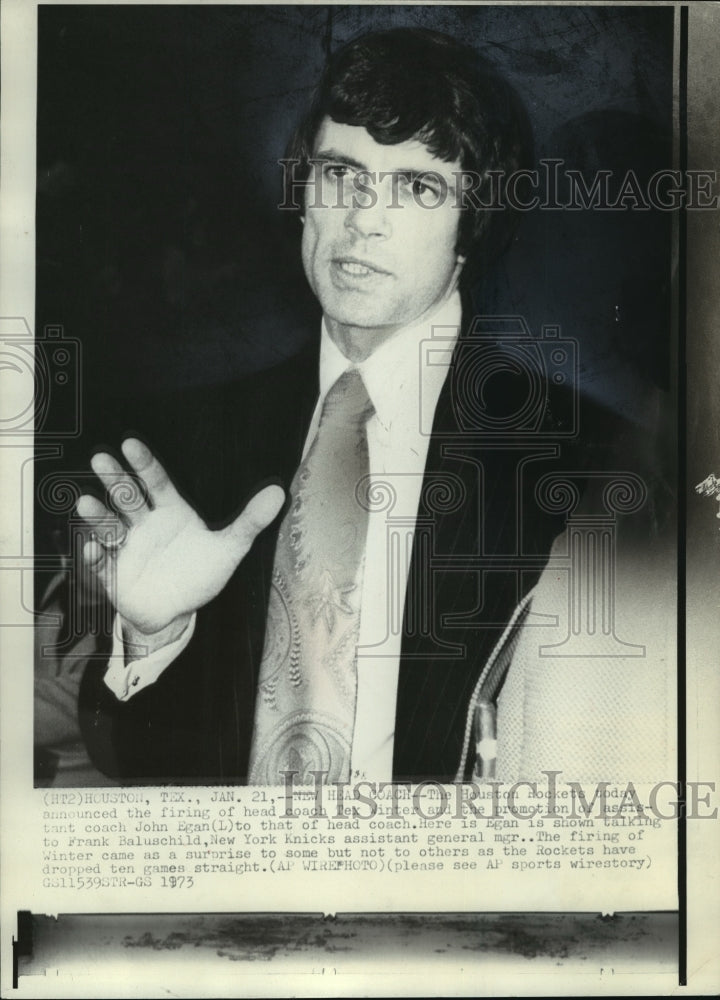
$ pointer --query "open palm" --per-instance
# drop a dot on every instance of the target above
(169, 563)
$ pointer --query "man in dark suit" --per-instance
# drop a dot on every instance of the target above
(246, 654)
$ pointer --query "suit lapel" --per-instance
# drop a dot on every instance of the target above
(473, 559)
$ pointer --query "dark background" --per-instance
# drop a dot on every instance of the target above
(160, 247)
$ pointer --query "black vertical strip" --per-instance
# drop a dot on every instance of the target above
(328, 35)
(23, 945)
(682, 507)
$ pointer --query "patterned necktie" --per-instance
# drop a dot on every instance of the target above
(305, 711)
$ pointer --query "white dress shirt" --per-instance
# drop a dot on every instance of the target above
(403, 377)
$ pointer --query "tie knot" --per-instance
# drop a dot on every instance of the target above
(348, 400)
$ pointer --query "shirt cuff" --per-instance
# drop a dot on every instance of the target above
(126, 679)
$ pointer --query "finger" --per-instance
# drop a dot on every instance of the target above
(157, 482)
(124, 492)
(105, 524)
(257, 515)
(94, 555)
(97, 561)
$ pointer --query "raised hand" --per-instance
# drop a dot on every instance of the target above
(158, 560)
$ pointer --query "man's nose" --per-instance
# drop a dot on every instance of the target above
(368, 211)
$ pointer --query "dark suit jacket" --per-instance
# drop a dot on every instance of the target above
(481, 541)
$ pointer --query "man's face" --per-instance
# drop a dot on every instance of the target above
(380, 231)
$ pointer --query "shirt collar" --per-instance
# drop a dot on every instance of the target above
(409, 366)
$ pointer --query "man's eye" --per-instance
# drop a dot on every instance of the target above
(421, 188)
(335, 170)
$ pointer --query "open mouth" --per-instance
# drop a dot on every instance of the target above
(358, 269)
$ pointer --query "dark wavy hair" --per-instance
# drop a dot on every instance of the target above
(411, 83)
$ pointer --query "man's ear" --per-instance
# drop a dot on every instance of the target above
(459, 264)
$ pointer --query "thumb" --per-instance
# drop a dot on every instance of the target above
(257, 515)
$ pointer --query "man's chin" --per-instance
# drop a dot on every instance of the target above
(364, 325)
(361, 316)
